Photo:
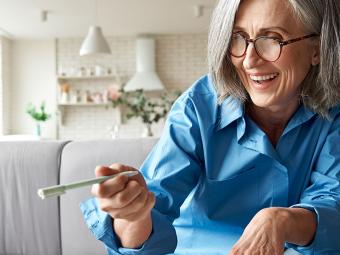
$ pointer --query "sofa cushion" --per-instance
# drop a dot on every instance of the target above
(79, 160)
(29, 225)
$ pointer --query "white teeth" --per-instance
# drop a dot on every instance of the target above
(264, 77)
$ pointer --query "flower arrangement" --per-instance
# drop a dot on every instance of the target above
(38, 115)
(139, 105)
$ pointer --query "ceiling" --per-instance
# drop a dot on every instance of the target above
(21, 19)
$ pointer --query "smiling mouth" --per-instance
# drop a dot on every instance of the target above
(259, 79)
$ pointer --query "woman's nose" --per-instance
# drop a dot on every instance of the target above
(251, 58)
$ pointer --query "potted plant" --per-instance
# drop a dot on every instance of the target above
(139, 105)
(38, 115)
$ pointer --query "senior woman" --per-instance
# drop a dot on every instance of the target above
(249, 160)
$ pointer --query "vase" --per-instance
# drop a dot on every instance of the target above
(147, 131)
(114, 131)
(38, 129)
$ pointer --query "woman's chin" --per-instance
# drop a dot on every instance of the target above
(260, 101)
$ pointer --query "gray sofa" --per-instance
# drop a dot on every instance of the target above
(54, 226)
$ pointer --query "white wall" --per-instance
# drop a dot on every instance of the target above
(6, 79)
(33, 80)
(5, 84)
(1, 91)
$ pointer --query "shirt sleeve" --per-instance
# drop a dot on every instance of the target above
(171, 170)
(323, 197)
(161, 241)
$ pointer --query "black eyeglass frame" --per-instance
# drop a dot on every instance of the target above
(281, 43)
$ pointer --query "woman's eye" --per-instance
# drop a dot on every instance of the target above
(274, 35)
(236, 32)
(240, 33)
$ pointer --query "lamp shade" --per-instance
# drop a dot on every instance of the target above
(94, 43)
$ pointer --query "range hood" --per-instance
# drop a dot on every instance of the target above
(146, 77)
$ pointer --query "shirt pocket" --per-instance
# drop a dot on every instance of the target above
(234, 199)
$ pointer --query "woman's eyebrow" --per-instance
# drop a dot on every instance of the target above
(265, 29)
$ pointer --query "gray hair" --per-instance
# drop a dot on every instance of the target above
(321, 86)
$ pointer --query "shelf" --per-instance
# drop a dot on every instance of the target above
(62, 108)
(84, 104)
(73, 82)
(86, 77)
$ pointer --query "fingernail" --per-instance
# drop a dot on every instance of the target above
(94, 188)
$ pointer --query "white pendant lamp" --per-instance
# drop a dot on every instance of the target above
(95, 42)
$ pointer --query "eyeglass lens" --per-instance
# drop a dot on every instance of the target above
(266, 47)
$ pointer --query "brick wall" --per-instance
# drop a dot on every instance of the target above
(180, 60)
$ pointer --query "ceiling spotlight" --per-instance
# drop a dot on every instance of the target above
(43, 15)
(198, 10)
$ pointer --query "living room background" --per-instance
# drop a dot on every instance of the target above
(30, 69)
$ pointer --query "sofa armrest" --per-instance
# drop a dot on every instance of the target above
(29, 226)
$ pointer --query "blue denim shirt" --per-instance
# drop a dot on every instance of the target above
(213, 169)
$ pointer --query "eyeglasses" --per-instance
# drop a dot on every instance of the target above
(267, 48)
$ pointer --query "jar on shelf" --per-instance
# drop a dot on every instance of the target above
(99, 70)
(64, 98)
(83, 97)
(89, 71)
(108, 71)
(97, 97)
(73, 97)
(88, 96)
(82, 71)
(61, 71)
(64, 92)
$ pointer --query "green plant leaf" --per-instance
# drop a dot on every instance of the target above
(38, 115)
(150, 110)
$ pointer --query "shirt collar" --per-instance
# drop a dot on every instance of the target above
(229, 111)
(232, 109)
(302, 115)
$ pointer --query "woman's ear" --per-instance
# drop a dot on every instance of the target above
(316, 54)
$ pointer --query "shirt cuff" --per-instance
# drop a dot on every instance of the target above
(163, 239)
(325, 238)
(308, 250)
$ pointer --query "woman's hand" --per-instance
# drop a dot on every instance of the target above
(123, 197)
(128, 201)
(264, 235)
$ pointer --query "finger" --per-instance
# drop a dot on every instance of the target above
(149, 204)
(110, 187)
(127, 196)
(121, 168)
(123, 198)
(235, 250)
(104, 171)
(138, 214)
(121, 212)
